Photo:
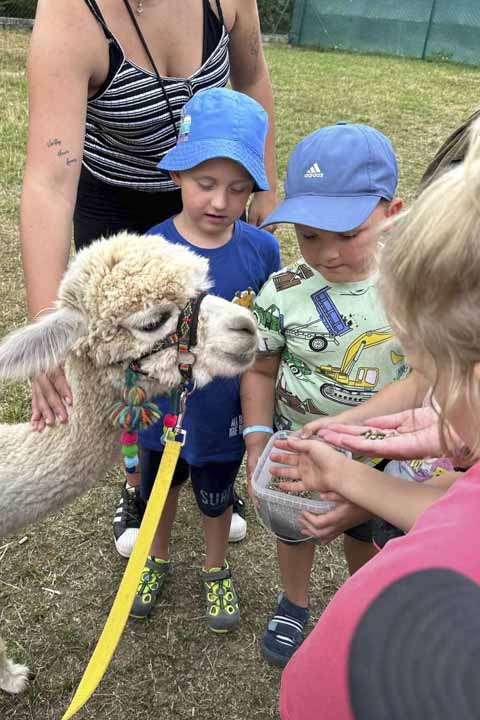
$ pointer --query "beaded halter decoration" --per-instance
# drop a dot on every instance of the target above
(134, 412)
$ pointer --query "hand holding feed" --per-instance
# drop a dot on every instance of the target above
(410, 434)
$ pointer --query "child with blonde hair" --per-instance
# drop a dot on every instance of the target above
(429, 282)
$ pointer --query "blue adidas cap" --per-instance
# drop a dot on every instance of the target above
(221, 123)
(336, 177)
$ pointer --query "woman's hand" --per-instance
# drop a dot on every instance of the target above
(51, 395)
(410, 434)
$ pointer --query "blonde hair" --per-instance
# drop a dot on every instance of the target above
(430, 279)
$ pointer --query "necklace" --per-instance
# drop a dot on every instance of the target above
(139, 7)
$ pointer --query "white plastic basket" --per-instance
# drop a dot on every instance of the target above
(278, 511)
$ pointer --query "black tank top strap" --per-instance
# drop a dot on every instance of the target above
(95, 10)
(213, 28)
(220, 12)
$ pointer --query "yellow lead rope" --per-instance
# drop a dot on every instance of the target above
(118, 616)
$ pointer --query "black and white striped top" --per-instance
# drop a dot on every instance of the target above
(128, 125)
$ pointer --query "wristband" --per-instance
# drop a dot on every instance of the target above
(257, 428)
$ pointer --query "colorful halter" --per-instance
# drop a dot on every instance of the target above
(134, 413)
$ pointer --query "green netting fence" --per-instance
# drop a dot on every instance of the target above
(436, 29)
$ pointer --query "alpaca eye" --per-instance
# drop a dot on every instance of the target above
(154, 324)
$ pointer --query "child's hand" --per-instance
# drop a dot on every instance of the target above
(314, 427)
(312, 465)
(406, 435)
(330, 525)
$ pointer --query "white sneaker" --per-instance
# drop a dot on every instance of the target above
(126, 522)
(238, 526)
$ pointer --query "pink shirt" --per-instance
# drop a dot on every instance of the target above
(314, 683)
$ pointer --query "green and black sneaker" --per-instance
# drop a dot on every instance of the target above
(223, 613)
(150, 586)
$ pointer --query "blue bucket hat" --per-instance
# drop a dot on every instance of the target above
(221, 123)
(336, 177)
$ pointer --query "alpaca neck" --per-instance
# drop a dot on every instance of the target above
(62, 462)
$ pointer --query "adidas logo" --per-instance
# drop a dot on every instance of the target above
(314, 171)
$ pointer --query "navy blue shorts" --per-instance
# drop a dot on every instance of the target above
(212, 484)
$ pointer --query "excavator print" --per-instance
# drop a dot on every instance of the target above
(350, 387)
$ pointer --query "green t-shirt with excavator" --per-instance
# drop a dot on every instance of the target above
(337, 348)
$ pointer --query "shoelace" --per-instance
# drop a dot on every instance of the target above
(148, 582)
(239, 506)
(133, 507)
(220, 594)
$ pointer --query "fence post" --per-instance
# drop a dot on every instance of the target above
(429, 28)
(298, 14)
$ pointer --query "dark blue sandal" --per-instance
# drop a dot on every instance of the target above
(284, 633)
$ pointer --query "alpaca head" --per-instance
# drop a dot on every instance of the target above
(119, 298)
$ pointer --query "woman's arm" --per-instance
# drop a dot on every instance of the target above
(249, 74)
(257, 395)
(59, 70)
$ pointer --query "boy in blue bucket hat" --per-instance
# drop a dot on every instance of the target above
(217, 163)
(326, 343)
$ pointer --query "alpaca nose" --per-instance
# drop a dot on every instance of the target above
(244, 324)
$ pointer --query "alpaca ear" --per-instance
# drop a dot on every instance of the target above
(41, 346)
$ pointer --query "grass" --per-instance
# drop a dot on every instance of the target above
(57, 586)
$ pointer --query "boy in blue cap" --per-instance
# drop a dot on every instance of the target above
(217, 163)
(326, 343)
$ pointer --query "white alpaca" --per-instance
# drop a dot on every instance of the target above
(118, 298)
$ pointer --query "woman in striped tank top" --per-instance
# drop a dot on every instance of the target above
(107, 83)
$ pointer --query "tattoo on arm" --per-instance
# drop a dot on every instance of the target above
(52, 142)
(253, 46)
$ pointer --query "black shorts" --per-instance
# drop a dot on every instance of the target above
(212, 484)
(103, 210)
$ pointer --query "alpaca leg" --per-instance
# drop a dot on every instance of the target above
(13, 677)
